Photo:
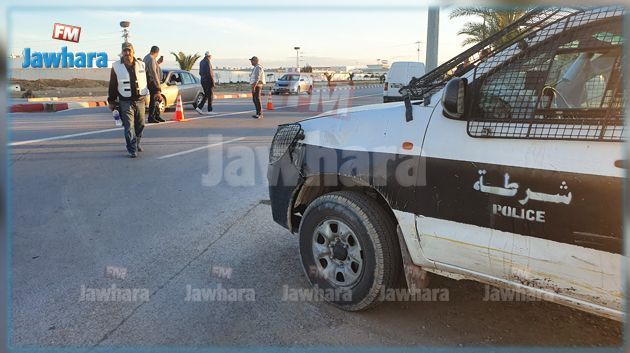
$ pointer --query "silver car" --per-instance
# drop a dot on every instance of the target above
(179, 82)
(293, 83)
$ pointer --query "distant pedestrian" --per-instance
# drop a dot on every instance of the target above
(153, 72)
(129, 84)
(257, 81)
(207, 83)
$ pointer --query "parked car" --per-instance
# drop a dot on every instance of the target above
(509, 173)
(179, 82)
(293, 83)
(399, 75)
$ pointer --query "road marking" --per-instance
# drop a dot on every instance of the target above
(201, 148)
(87, 133)
(62, 137)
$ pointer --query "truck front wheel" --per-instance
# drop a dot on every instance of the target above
(349, 250)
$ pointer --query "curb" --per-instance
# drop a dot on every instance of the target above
(42, 99)
(232, 95)
(53, 107)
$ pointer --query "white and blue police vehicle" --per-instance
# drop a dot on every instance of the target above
(508, 172)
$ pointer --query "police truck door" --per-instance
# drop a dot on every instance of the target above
(527, 189)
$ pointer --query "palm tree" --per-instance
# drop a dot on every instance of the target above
(186, 62)
(494, 20)
(329, 76)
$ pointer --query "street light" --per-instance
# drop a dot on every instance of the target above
(433, 30)
(124, 25)
(297, 58)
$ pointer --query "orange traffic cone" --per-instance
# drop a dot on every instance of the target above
(179, 110)
(269, 101)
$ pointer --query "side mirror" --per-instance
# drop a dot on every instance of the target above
(454, 98)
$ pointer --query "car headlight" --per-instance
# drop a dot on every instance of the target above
(285, 137)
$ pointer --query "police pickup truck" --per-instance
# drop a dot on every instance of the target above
(507, 170)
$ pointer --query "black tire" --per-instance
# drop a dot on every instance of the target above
(197, 100)
(375, 233)
(162, 105)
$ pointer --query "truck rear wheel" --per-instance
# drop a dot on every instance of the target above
(349, 250)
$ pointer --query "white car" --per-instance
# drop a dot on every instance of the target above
(399, 75)
(504, 174)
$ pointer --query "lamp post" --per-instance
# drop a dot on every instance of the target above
(297, 58)
(124, 25)
(433, 23)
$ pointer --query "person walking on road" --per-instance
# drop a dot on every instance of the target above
(153, 70)
(129, 84)
(207, 82)
(257, 81)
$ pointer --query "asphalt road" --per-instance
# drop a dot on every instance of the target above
(190, 214)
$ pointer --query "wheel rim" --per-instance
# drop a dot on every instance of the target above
(162, 106)
(337, 252)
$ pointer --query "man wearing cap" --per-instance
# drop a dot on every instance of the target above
(152, 67)
(207, 82)
(257, 80)
(129, 84)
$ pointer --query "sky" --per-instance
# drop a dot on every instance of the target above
(328, 36)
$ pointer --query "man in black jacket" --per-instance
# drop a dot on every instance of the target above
(152, 68)
(129, 84)
(207, 82)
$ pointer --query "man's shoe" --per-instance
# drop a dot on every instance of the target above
(159, 119)
(133, 155)
(199, 110)
(255, 116)
(139, 148)
(152, 121)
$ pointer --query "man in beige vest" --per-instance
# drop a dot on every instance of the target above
(129, 84)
